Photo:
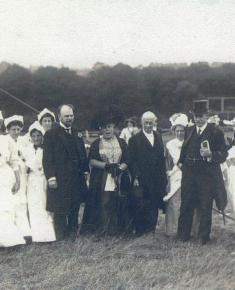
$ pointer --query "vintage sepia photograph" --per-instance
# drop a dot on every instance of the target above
(117, 145)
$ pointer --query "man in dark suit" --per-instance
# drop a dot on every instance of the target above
(65, 165)
(147, 166)
(203, 151)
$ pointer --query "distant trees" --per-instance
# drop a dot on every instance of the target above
(164, 90)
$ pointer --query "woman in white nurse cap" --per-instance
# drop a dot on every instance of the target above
(41, 221)
(14, 126)
(173, 148)
(46, 118)
(179, 122)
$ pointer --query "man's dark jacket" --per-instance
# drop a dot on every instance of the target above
(69, 171)
(147, 163)
(216, 140)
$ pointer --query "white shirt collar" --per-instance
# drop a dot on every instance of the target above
(63, 126)
(149, 136)
(201, 128)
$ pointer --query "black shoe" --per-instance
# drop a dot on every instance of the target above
(73, 236)
(183, 239)
(205, 241)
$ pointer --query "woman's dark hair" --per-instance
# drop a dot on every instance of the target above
(110, 115)
(14, 123)
(46, 116)
(129, 121)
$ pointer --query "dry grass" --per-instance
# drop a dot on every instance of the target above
(149, 262)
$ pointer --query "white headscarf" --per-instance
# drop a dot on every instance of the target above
(36, 126)
(44, 112)
(215, 119)
(15, 118)
(178, 119)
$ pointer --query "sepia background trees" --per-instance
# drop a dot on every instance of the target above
(165, 89)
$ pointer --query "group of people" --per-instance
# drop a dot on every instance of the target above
(124, 180)
(23, 186)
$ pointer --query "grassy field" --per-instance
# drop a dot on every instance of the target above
(149, 262)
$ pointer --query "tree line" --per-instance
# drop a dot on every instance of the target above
(163, 89)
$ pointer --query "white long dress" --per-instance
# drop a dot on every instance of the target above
(9, 233)
(229, 170)
(41, 221)
(173, 197)
(20, 198)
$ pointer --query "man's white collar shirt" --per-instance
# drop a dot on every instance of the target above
(66, 128)
(201, 129)
(150, 137)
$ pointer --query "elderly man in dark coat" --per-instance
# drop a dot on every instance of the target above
(203, 151)
(65, 165)
(148, 170)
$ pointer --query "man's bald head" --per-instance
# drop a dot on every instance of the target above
(66, 114)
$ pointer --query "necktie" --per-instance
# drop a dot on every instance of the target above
(68, 130)
(199, 132)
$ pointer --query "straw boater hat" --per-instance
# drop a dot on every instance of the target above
(178, 119)
(36, 126)
(44, 112)
(15, 118)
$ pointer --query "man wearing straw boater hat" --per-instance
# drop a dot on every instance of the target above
(203, 151)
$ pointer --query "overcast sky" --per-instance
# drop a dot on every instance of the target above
(78, 33)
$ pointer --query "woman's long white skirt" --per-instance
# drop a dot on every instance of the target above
(231, 186)
(9, 233)
(173, 200)
(41, 221)
(21, 205)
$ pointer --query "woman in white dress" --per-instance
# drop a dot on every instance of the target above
(230, 174)
(1, 123)
(41, 221)
(14, 125)
(9, 185)
(129, 130)
(173, 148)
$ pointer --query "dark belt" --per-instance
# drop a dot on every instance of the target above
(193, 161)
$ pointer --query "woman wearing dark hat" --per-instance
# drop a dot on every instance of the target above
(108, 160)
(130, 129)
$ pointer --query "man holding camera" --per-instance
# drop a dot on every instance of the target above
(203, 151)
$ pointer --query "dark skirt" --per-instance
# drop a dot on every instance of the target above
(106, 212)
